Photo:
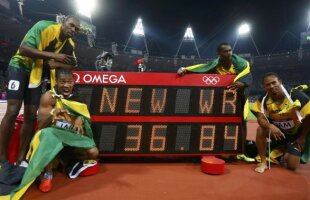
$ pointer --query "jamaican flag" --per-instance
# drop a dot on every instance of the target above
(48, 142)
(43, 36)
(242, 68)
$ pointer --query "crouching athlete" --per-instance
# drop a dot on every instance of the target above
(64, 130)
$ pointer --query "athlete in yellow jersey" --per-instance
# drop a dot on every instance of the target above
(226, 63)
(285, 115)
(46, 46)
(64, 131)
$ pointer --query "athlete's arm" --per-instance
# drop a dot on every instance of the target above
(28, 51)
(45, 117)
(275, 131)
(55, 64)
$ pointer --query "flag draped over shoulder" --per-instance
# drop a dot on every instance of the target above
(242, 68)
(299, 103)
(49, 33)
(48, 142)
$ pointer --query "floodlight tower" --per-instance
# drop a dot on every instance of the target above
(245, 30)
(188, 37)
(138, 31)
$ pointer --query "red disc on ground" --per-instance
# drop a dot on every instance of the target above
(212, 165)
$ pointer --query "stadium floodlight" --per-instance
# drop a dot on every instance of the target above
(138, 30)
(244, 29)
(85, 7)
(189, 36)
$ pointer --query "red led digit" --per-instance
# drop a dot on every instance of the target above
(133, 139)
(207, 138)
(231, 133)
(158, 137)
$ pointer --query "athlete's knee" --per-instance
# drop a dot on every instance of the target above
(292, 166)
(30, 118)
(93, 153)
(292, 159)
(11, 114)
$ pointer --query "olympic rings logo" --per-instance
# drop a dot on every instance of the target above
(211, 80)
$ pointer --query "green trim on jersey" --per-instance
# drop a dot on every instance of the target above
(43, 36)
(31, 39)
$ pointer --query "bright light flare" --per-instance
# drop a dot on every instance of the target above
(244, 29)
(85, 7)
(138, 30)
(189, 36)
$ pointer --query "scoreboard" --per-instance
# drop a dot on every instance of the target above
(158, 114)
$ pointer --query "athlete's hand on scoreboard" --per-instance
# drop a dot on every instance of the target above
(181, 71)
(236, 85)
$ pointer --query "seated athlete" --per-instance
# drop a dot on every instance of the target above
(64, 129)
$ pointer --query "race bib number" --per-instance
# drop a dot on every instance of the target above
(13, 85)
(285, 125)
(64, 124)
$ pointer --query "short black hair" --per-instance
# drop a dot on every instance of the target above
(71, 16)
(271, 74)
(60, 71)
(219, 47)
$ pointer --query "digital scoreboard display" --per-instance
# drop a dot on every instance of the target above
(150, 114)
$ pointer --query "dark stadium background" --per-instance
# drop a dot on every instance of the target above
(276, 27)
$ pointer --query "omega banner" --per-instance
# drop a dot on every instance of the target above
(149, 114)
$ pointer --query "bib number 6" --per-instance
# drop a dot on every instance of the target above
(13, 85)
